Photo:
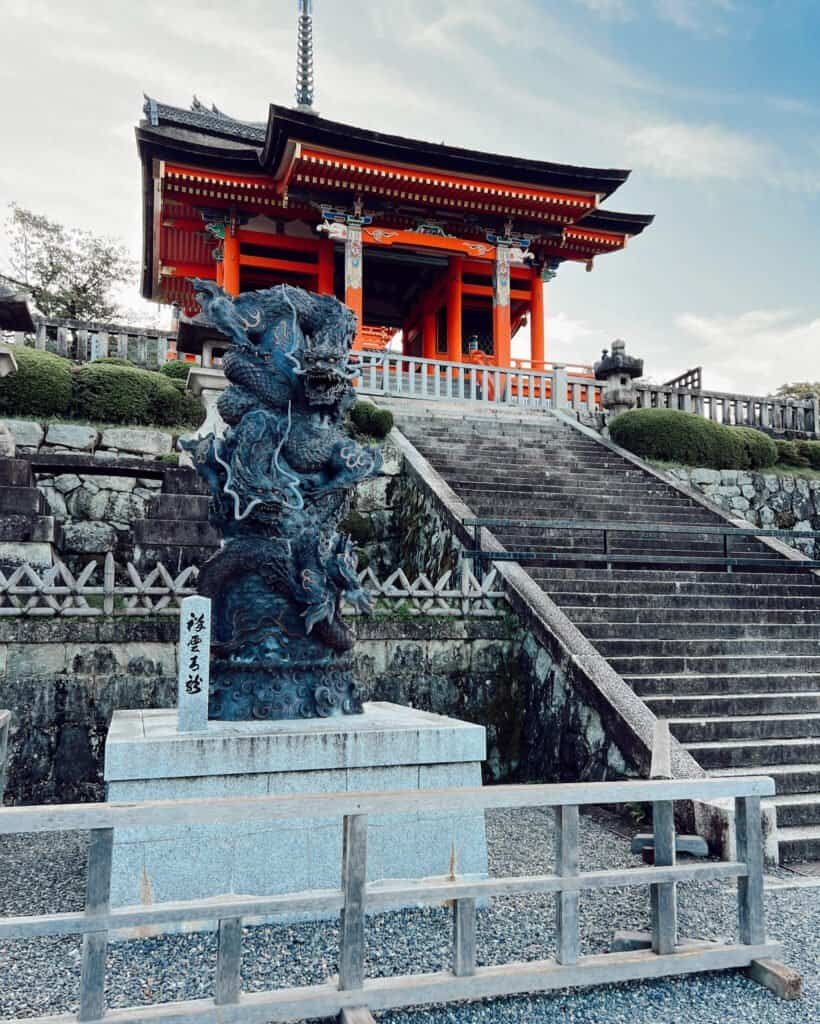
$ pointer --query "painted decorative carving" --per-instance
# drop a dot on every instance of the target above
(501, 276)
(280, 480)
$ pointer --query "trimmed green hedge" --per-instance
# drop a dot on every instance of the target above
(124, 394)
(41, 386)
(176, 369)
(673, 436)
(367, 419)
(804, 454)
(761, 450)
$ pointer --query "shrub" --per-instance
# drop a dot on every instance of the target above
(124, 394)
(810, 451)
(674, 436)
(113, 361)
(761, 451)
(41, 386)
(796, 453)
(367, 419)
(176, 370)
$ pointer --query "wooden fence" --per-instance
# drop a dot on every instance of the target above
(351, 989)
(59, 592)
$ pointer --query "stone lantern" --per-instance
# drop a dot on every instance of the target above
(617, 370)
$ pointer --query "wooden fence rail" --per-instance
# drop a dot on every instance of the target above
(351, 989)
(36, 593)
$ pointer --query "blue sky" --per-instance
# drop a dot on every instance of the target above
(715, 104)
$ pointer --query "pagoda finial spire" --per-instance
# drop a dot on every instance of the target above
(304, 58)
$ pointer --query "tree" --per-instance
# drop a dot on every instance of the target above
(69, 272)
(800, 389)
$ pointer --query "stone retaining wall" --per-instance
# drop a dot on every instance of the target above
(62, 679)
(766, 500)
(106, 443)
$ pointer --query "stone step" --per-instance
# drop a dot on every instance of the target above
(789, 779)
(705, 587)
(704, 630)
(623, 575)
(686, 614)
(174, 532)
(716, 664)
(180, 506)
(686, 648)
(752, 601)
(723, 705)
(795, 809)
(746, 753)
(24, 501)
(704, 600)
(711, 684)
(745, 727)
(799, 843)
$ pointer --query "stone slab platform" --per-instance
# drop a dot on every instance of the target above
(387, 748)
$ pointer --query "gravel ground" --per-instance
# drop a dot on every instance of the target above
(45, 874)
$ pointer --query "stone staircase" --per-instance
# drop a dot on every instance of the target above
(731, 658)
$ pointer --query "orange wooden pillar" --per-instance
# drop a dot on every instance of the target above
(428, 336)
(502, 327)
(354, 295)
(325, 273)
(454, 303)
(230, 260)
(537, 342)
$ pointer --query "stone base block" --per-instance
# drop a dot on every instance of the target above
(387, 748)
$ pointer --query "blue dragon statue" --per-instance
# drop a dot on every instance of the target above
(280, 481)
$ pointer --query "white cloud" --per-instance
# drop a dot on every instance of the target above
(613, 10)
(677, 149)
(755, 351)
(704, 17)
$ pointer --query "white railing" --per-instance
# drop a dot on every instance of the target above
(390, 373)
(350, 992)
(86, 341)
(771, 413)
(57, 592)
(568, 387)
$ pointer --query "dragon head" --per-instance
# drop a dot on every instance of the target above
(325, 372)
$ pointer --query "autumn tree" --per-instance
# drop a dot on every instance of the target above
(69, 272)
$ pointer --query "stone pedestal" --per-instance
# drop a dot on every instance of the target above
(387, 748)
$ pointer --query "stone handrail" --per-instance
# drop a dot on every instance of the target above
(771, 413)
(389, 373)
(86, 341)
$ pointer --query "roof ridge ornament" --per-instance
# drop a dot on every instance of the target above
(304, 58)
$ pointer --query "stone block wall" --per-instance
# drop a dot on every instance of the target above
(32, 437)
(62, 679)
(766, 500)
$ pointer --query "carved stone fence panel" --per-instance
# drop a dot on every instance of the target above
(57, 591)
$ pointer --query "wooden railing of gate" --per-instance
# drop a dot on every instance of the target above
(351, 990)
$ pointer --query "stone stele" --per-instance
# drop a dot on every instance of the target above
(388, 747)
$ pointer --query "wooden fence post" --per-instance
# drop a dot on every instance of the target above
(749, 837)
(354, 877)
(566, 903)
(464, 938)
(229, 961)
(95, 944)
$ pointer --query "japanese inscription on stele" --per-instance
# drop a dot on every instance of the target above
(194, 660)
